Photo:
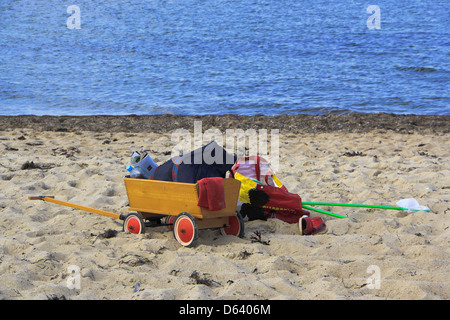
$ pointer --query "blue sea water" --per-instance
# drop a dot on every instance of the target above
(224, 57)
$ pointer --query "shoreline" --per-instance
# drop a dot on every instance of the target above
(356, 122)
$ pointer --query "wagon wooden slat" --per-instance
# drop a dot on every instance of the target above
(176, 202)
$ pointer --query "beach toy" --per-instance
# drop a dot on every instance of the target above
(310, 226)
(176, 204)
(409, 205)
(322, 211)
(144, 162)
(255, 174)
(136, 173)
(262, 194)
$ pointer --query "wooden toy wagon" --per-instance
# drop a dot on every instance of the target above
(161, 203)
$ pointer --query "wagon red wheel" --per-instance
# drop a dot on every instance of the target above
(170, 220)
(185, 229)
(134, 223)
(236, 226)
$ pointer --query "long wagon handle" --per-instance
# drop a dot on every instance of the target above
(77, 206)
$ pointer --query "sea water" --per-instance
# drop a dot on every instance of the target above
(247, 57)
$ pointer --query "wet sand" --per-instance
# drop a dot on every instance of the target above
(357, 122)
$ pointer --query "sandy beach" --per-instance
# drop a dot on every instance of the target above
(365, 159)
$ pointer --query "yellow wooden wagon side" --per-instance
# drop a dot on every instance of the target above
(162, 203)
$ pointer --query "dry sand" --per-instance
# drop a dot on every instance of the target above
(331, 159)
